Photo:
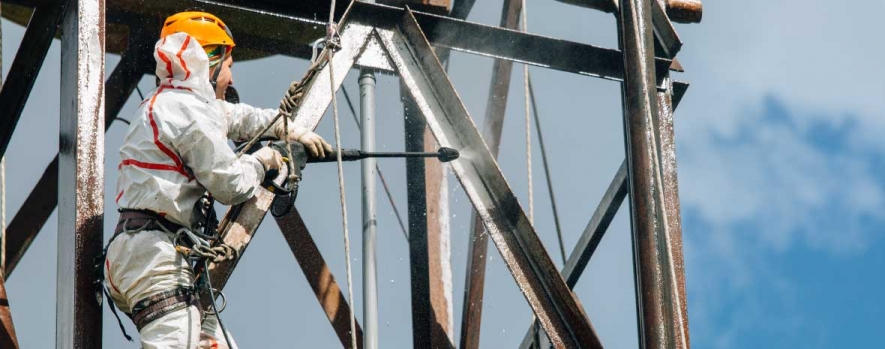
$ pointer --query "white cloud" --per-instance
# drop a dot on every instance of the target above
(771, 174)
(755, 191)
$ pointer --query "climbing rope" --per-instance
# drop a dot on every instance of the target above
(528, 125)
(333, 43)
(528, 146)
(378, 168)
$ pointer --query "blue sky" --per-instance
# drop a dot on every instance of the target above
(780, 165)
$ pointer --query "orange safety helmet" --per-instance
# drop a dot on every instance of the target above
(203, 26)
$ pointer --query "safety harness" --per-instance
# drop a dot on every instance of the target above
(197, 247)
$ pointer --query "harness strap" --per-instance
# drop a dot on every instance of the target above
(163, 303)
(143, 220)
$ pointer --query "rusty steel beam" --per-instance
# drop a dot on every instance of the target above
(430, 303)
(665, 33)
(81, 172)
(25, 67)
(319, 277)
(673, 259)
(43, 199)
(680, 11)
(558, 309)
(474, 285)
(648, 222)
(685, 11)
(7, 333)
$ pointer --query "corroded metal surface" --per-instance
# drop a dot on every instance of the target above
(685, 11)
(558, 309)
(664, 31)
(680, 11)
(319, 277)
(673, 259)
(81, 173)
(478, 246)
(7, 332)
(648, 221)
(428, 237)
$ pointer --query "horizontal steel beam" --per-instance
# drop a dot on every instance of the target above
(489, 41)
(502, 43)
(25, 67)
(558, 309)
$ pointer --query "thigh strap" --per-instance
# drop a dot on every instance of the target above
(161, 304)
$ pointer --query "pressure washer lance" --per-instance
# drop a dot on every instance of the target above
(287, 191)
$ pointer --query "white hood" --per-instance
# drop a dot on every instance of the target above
(182, 63)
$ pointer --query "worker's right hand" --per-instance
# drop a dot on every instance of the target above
(270, 158)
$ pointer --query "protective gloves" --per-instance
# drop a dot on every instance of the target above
(270, 158)
(315, 144)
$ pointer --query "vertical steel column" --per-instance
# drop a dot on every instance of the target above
(370, 225)
(81, 175)
(474, 286)
(640, 107)
(675, 261)
(427, 229)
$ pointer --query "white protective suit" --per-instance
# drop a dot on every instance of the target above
(175, 150)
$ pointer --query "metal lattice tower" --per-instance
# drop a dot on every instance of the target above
(392, 40)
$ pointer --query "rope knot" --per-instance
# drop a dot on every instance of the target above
(333, 38)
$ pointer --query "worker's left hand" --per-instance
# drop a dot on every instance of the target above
(291, 98)
(315, 145)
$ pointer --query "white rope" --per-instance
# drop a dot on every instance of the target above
(528, 124)
(330, 52)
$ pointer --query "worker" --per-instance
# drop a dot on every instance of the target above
(175, 151)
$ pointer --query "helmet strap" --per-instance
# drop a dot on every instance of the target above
(214, 79)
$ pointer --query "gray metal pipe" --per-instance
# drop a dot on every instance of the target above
(370, 276)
